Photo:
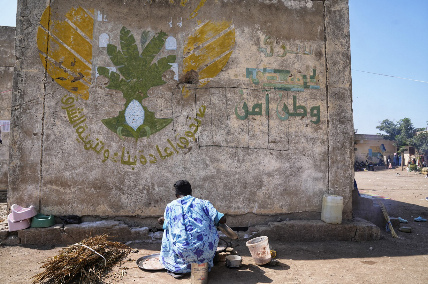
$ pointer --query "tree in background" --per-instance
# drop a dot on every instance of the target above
(390, 128)
(420, 141)
(403, 133)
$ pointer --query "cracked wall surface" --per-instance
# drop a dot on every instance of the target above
(7, 63)
(249, 101)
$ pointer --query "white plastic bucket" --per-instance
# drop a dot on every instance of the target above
(259, 249)
(199, 273)
(332, 207)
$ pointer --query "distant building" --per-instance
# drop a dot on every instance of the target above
(409, 154)
(373, 148)
(412, 153)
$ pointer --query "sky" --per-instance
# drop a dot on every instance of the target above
(388, 37)
(8, 13)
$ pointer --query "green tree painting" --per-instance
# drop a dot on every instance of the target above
(139, 74)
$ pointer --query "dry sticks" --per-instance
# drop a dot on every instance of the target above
(85, 261)
(385, 214)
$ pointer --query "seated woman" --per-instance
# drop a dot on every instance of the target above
(190, 232)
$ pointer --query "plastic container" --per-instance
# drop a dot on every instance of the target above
(233, 261)
(199, 273)
(259, 249)
(18, 225)
(332, 207)
(42, 221)
(20, 213)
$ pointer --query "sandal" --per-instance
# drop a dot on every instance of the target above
(175, 275)
(420, 219)
(402, 220)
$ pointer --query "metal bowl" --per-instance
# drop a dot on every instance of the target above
(233, 261)
(140, 262)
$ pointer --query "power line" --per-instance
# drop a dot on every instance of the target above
(390, 76)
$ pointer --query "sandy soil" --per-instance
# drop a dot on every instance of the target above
(403, 260)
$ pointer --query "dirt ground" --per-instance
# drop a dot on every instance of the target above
(389, 260)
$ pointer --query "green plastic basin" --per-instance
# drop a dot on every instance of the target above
(42, 221)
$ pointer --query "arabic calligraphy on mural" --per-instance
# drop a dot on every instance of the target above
(77, 119)
(269, 51)
(285, 80)
(283, 113)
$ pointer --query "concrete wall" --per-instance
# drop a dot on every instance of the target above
(7, 62)
(116, 100)
(366, 143)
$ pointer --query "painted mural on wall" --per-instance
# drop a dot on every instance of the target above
(275, 49)
(137, 76)
(66, 53)
(282, 79)
(138, 64)
(66, 49)
(78, 122)
(205, 57)
(296, 110)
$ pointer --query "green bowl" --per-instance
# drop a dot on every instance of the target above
(42, 221)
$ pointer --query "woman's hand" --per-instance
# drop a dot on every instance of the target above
(222, 220)
(161, 220)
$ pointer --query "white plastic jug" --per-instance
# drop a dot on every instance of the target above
(332, 207)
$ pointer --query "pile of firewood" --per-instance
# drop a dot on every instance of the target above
(85, 262)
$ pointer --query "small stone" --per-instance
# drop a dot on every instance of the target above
(222, 256)
(405, 229)
(158, 235)
(11, 241)
(221, 249)
(3, 234)
(252, 229)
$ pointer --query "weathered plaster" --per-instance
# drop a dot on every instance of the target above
(278, 57)
(7, 62)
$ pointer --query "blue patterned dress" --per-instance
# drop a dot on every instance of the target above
(190, 234)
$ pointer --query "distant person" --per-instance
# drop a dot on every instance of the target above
(356, 187)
